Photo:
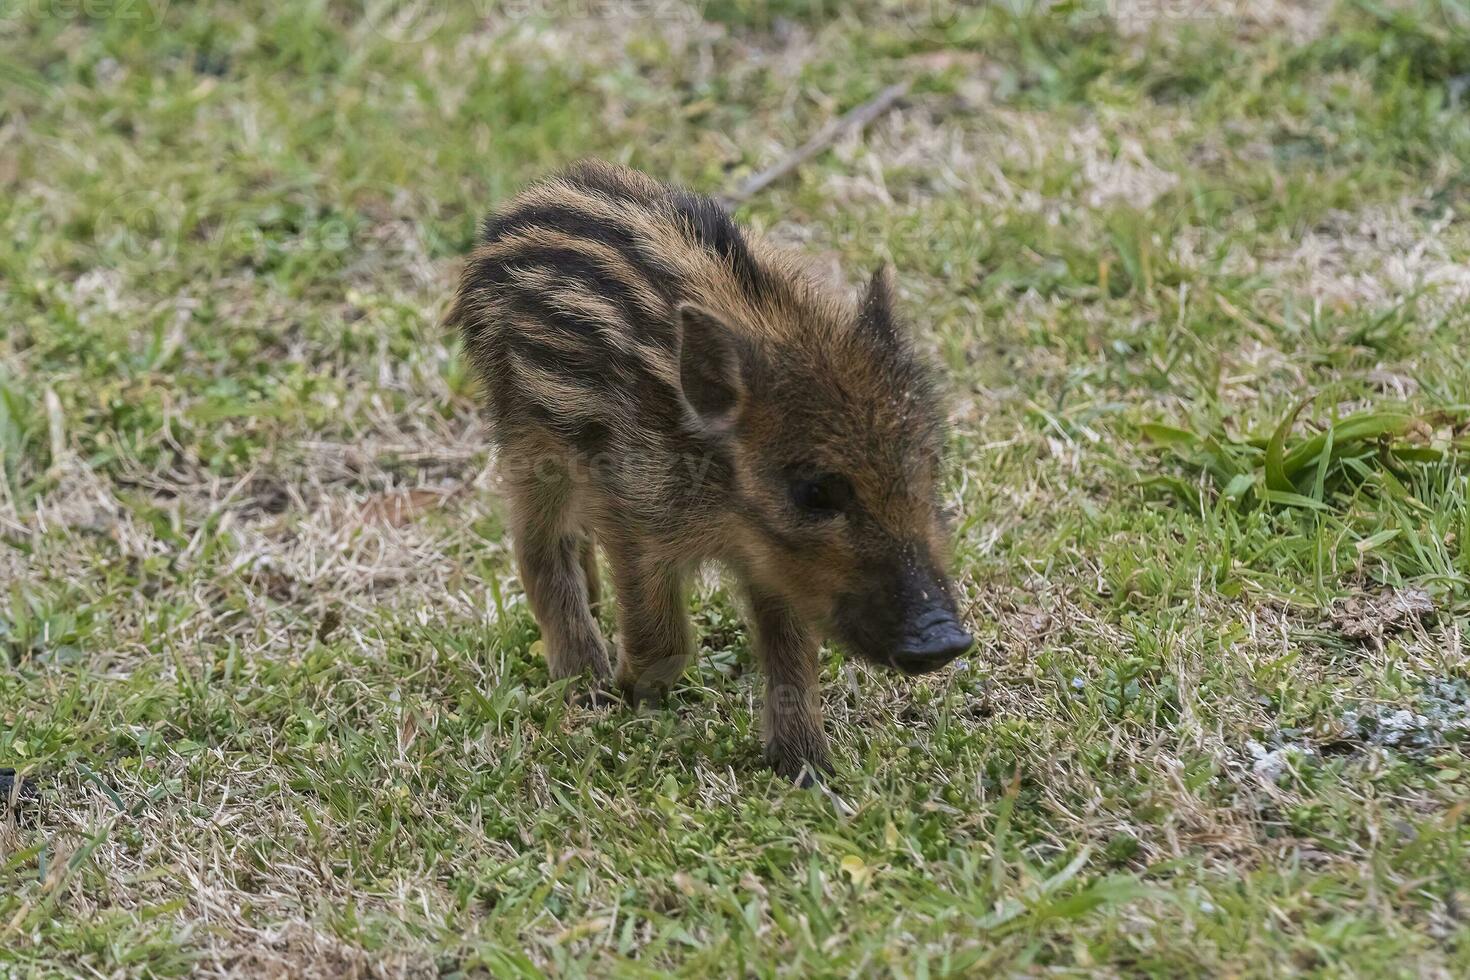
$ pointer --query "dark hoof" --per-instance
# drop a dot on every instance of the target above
(644, 697)
(19, 789)
(808, 779)
(587, 688)
(802, 772)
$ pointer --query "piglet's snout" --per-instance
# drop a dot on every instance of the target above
(932, 640)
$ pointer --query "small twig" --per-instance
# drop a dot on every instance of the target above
(858, 118)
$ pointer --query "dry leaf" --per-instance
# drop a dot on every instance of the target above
(1372, 617)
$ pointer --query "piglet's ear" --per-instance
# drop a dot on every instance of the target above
(875, 314)
(709, 366)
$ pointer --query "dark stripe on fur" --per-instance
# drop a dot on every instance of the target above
(644, 323)
(715, 231)
(596, 366)
(586, 367)
(587, 436)
(592, 362)
(705, 223)
(600, 228)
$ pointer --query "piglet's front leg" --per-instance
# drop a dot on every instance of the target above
(796, 745)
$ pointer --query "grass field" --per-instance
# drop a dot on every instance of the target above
(1198, 276)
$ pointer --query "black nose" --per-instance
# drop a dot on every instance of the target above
(936, 644)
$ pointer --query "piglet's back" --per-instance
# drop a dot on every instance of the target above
(568, 303)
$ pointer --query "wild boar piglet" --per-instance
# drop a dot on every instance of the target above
(673, 389)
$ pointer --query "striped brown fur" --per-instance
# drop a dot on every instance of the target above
(675, 389)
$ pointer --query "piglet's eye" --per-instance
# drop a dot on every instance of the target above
(821, 496)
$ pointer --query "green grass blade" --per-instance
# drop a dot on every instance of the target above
(1290, 498)
(1324, 459)
(1277, 477)
(1168, 435)
(1354, 428)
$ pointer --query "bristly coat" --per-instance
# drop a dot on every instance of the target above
(676, 390)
